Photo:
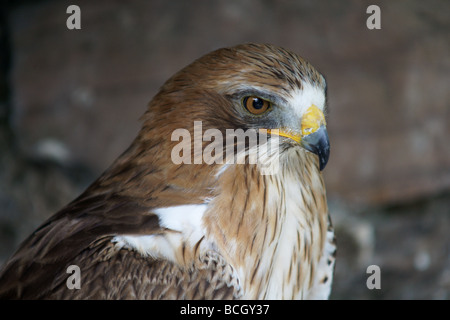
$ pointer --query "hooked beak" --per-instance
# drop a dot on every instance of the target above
(313, 136)
(318, 143)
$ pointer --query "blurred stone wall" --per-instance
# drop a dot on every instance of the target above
(71, 100)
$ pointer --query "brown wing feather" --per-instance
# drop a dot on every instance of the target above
(118, 203)
(81, 235)
(112, 273)
(32, 272)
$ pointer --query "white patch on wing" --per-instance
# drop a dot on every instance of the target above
(302, 99)
(181, 218)
(184, 224)
(155, 246)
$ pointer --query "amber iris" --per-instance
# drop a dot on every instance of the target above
(256, 105)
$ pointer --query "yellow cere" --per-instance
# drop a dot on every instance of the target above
(312, 120)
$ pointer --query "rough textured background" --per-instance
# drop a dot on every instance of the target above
(70, 102)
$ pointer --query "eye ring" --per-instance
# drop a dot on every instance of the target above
(256, 105)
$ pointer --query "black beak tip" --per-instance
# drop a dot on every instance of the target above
(324, 155)
(318, 143)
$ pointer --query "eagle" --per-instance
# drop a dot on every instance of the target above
(154, 227)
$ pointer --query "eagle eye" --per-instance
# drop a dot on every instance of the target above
(256, 105)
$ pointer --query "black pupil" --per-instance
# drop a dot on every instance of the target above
(258, 103)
